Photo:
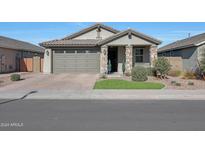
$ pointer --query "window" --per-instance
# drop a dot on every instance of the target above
(139, 55)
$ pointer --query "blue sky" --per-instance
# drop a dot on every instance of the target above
(36, 32)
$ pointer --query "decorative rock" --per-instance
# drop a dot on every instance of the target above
(103, 59)
(128, 55)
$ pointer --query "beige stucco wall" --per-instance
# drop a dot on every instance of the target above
(189, 59)
(47, 66)
(176, 63)
(93, 34)
(8, 63)
(125, 40)
(201, 50)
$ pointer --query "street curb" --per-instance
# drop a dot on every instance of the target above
(108, 95)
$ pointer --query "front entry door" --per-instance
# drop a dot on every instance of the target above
(112, 57)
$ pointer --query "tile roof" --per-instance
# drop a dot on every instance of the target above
(70, 43)
(10, 43)
(185, 43)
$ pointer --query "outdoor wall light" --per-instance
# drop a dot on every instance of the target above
(47, 53)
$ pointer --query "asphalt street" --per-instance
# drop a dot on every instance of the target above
(102, 115)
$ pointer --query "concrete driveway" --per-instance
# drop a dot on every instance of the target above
(52, 82)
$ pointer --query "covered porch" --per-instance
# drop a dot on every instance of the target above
(131, 47)
(130, 55)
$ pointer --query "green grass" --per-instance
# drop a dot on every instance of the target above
(123, 84)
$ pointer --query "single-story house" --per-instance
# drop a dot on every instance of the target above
(91, 49)
(12, 51)
(189, 49)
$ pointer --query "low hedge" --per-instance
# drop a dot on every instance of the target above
(15, 77)
(139, 73)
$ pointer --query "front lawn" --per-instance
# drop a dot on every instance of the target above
(123, 84)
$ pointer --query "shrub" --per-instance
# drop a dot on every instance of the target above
(178, 84)
(174, 73)
(198, 73)
(139, 73)
(190, 83)
(173, 82)
(189, 75)
(109, 67)
(103, 76)
(15, 77)
(151, 71)
(123, 67)
(128, 74)
(202, 62)
(162, 65)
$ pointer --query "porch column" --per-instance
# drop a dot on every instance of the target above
(103, 59)
(153, 54)
(128, 59)
(47, 63)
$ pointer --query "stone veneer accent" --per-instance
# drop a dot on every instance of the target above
(103, 59)
(128, 57)
(153, 54)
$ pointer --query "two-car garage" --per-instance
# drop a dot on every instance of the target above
(76, 60)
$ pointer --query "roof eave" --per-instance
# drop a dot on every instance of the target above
(178, 48)
(83, 31)
(64, 46)
(112, 38)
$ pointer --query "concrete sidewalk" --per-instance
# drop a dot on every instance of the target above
(108, 95)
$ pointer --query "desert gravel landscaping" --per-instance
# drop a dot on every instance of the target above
(5, 78)
(184, 83)
(168, 82)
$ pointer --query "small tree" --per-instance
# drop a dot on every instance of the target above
(123, 67)
(202, 64)
(162, 65)
(109, 67)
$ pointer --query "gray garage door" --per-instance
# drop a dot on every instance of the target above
(79, 61)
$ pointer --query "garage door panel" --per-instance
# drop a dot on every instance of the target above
(76, 62)
(90, 56)
(69, 56)
(70, 62)
(81, 63)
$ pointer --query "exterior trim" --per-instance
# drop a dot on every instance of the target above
(129, 32)
(177, 48)
(9, 43)
(90, 29)
(193, 41)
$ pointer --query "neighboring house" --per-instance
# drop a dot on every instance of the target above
(188, 49)
(13, 51)
(90, 50)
